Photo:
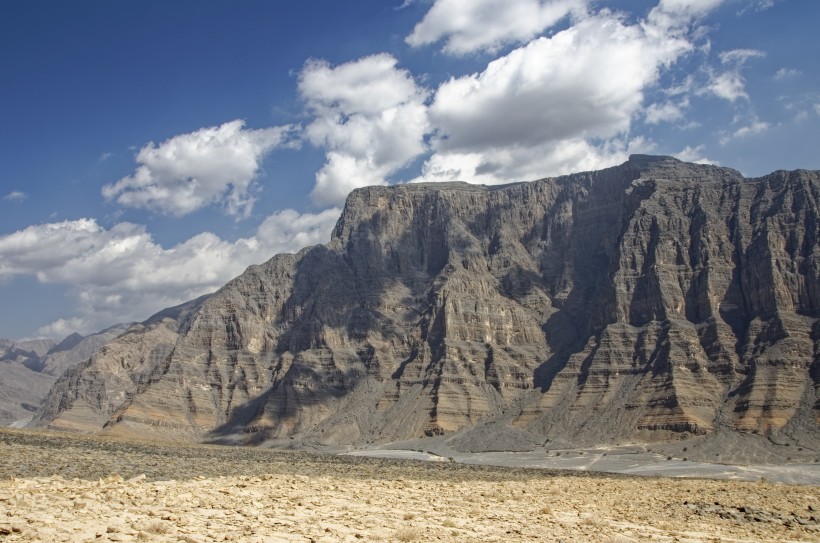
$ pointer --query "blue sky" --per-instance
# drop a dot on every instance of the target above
(152, 150)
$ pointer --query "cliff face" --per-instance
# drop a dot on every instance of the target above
(645, 301)
(28, 369)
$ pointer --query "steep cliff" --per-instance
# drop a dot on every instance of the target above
(647, 301)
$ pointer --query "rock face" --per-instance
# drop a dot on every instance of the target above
(28, 369)
(647, 301)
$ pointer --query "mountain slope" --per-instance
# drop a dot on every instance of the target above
(649, 301)
(28, 369)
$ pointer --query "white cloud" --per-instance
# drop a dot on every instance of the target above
(15, 196)
(472, 25)
(670, 14)
(215, 165)
(558, 104)
(121, 274)
(371, 118)
(62, 328)
(728, 85)
(759, 5)
(754, 127)
(666, 112)
(509, 164)
(694, 154)
(586, 81)
(739, 56)
(817, 108)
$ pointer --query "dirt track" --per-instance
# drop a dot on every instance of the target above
(69, 488)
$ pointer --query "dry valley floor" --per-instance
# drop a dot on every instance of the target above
(57, 487)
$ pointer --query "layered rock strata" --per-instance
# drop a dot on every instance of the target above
(28, 369)
(648, 301)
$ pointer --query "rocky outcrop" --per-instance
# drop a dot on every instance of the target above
(92, 395)
(649, 301)
(30, 368)
(76, 349)
(22, 386)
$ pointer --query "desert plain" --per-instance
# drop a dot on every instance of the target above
(60, 487)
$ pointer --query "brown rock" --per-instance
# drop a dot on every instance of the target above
(648, 301)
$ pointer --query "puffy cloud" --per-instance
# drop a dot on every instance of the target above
(694, 154)
(508, 164)
(215, 165)
(558, 104)
(669, 14)
(586, 81)
(62, 328)
(369, 115)
(471, 25)
(121, 274)
(15, 196)
(728, 85)
(666, 112)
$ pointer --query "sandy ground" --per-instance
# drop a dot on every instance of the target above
(68, 488)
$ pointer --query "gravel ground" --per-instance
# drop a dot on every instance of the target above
(57, 487)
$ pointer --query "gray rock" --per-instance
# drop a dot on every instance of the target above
(28, 369)
(646, 302)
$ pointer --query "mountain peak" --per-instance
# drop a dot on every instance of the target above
(589, 308)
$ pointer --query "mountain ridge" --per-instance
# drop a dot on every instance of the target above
(649, 301)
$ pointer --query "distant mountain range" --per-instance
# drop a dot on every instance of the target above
(28, 369)
(650, 301)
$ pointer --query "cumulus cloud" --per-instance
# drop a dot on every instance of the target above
(215, 165)
(557, 104)
(369, 116)
(729, 86)
(15, 196)
(62, 328)
(472, 25)
(669, 14)
(514, 163)
(585, 81)
(121, 274)
(665, 112)
(694, 154)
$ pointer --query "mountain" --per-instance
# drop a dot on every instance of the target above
(650, 301)
(28, 369)
(76, 348)
(27, 353)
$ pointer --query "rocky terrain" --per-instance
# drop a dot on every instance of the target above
(649, 302)
(77, 488)
(28, 369)
(22, 386)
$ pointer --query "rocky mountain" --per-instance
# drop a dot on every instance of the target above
(22, 386)
(646, 302)
(28, 369)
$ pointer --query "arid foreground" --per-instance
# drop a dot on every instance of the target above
(71, 488)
